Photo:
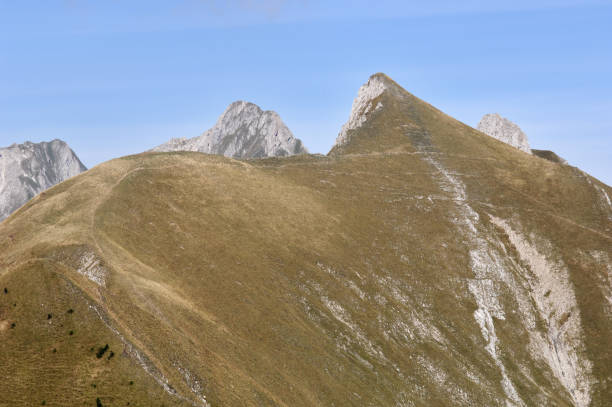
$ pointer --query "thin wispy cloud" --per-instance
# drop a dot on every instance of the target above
(158, 15)
(229, 8)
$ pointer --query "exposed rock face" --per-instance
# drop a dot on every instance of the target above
(362, 105)
(30, 168)
(504, 130)
(242, 131)
(554, 301)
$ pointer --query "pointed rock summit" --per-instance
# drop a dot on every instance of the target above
(424, 263)
(504, 130)
(29, 168)
(363, 104)
(385, 117)
(244, 130)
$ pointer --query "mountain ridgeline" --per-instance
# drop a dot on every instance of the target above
(243, 131)
(420, 263)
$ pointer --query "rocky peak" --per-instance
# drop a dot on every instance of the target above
(29, 168)
(363, 105)
(504, 130)
(244, 130)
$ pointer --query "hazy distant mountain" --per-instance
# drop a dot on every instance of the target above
(504, 130)
(242, 131)
(420, 263)
(29, 168)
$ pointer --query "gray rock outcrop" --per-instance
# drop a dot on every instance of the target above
(504, 130)
(29, 168)
(362, 105)
(243, 131)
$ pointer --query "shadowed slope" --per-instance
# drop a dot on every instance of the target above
(549, 155)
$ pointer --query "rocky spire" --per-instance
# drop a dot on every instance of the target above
(504, 130)
(362, 105)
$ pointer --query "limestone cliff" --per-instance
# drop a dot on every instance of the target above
(243, 131)
(29, 168)
(504, 130)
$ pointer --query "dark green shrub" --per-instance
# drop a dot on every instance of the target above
(102, 351)
(98, 402)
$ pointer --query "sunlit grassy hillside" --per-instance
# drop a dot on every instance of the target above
(422, 263)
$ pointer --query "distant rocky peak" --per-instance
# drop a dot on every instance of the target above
(504, 130)
(243, 130)
(364, 104)
(29, 168)
(241, 113)
(240, 107)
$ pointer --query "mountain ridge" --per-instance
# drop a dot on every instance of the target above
(421, 262)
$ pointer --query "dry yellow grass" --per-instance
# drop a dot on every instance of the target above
(310, 280)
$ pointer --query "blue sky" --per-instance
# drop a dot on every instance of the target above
(118, 77)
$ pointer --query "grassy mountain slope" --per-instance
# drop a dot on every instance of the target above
(420, 263)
